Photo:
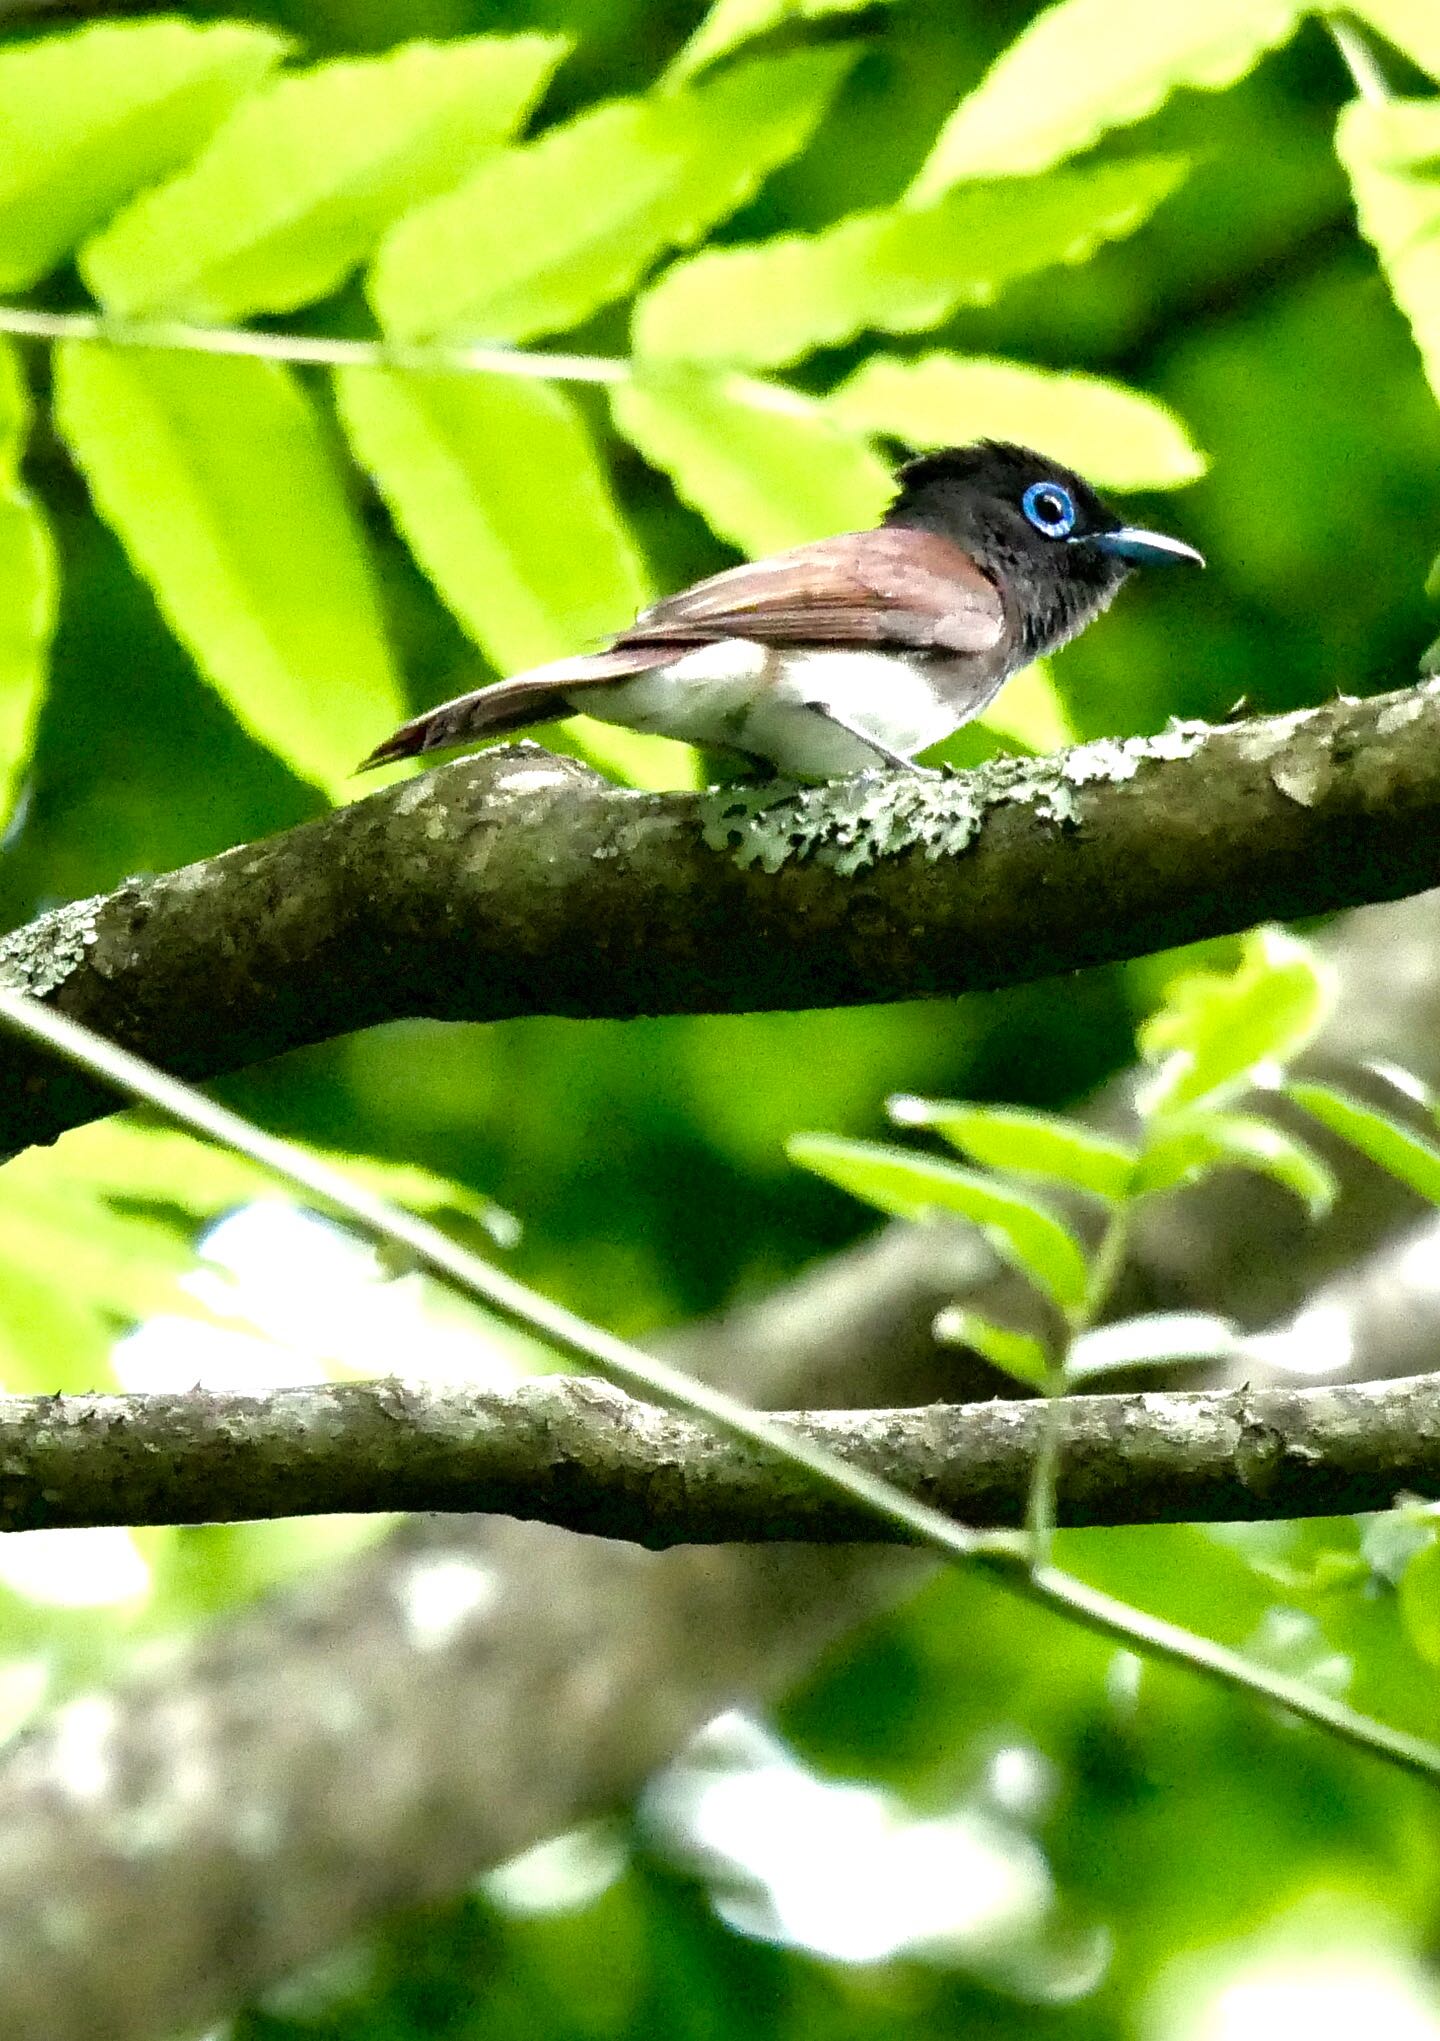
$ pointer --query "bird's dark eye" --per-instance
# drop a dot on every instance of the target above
(1050, 508)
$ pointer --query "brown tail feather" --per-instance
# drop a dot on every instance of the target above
(533, 697)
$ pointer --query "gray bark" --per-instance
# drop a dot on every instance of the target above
(515, 883)
(583, 1456)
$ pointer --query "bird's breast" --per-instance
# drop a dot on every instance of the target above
(762, 700)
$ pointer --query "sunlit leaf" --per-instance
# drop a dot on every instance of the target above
(301, 182)
(28, 589)
(1017, 1354)
(766, 467)
(897, 271)
(90, 116)
(1084, 66)
(542, 236)
(1031, 710)
(1022, 1230)
(219, 481)
(1114, 436)
(1406, 1155)
(469, 467)
(125, 1160)
(97, 1231)
(74, 1269)
(1412, 25)
(1216, 1030)
(1419, 1594)
(1391, 149)
(1183, 1147)
(1026, 1143)
(732, 23)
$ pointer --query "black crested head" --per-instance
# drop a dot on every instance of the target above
(1037, 529)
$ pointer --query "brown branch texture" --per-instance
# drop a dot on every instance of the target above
(516, 883)
(576, 1453)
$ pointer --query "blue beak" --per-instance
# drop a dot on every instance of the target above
(1128, 542)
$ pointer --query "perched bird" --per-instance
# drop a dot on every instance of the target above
(868, 647)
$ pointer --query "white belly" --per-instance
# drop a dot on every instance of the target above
(740, 696)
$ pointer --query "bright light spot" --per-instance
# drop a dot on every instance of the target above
(74, 1569)
(1320, 1340)
(1021, 1782)
(1404, 1081)
(439, 1596)
(320, 1305)
(843, 1870)
(1123, 1677)
(561, 1876)
(24, 1683)
(1417, 1265)
(1158, 1336)
(1308, 1987)
(79, 1741)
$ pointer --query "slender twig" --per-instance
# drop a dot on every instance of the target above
(1106, 1267)
(1360, 59)
(312, 350)
(628, 1366)
(565, 1330)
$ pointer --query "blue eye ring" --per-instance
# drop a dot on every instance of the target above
(1050, 508)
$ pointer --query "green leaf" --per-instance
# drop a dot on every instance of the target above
(1016, 1354)
(28, 588)
(1085, 66)
(766, 467)
(1115, 436)
(96, 1232)
(1216, 1029)
(1391, 150)
(1419, 1595)
(542, 236)
(732, 23)
(897, 271)
(91, 116)
(53, 1337)
(1022, 1230)
(219, 481)
(468, 467)
(1026, 1143)
(1030, 710)
(302, 181)
(74, 1273)
(1388, 1142)
(1184, 1147)
(137, 1164)
(1412, 25)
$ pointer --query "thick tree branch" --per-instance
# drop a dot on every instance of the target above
(516, 883)
(574, 1452)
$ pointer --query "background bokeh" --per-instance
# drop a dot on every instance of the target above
(993, 1824)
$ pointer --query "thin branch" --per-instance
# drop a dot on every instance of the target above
(516, 883)
(435, 1252)
(578, 1454)
(631, 1368)
(1359, 58)
(309, 350)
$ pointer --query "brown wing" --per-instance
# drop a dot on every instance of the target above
(893, 586)
(514, 704)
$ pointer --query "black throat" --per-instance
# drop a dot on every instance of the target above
(973, 496)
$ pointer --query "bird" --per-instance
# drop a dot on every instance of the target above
(852, 652)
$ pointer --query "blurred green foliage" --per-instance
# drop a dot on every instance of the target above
(839, 208)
